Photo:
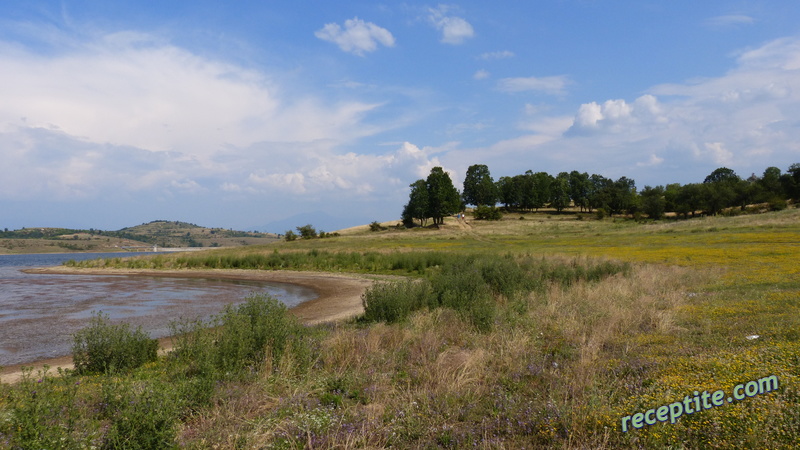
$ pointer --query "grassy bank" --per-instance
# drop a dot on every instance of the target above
(589, 322)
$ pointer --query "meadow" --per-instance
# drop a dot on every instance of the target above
(537, 331)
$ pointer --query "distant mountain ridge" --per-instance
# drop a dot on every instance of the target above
(162, 233)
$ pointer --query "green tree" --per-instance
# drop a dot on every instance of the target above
(508, 190)
(443, 197)
(599, 192)
(290, 236)
(307, 232)
(722, 189)
(622, 197)
(559, 192)
(770, 185)
(579, 188)
(653, 201)
(479, 187)
(690, 199)
(417, 206)
(671, 197)
(722, 174)
(791, 182)
(540, 190)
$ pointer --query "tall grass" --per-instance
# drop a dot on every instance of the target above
(552, 374)
(473, 284)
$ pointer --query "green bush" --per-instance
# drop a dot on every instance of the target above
(251, 331)
(376, 226)
(141, 415)
(777, 204)
(394, 301)
(103, 347)
(484, 212)
(461, 286)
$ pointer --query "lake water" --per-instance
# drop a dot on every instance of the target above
(39, 313)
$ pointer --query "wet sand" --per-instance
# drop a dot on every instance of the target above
(339, 297)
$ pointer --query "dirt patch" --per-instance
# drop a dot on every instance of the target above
(339, 297)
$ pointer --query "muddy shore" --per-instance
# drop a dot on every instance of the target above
(338, 298)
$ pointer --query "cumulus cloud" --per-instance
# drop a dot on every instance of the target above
(357, 36)
(555, 85)
(455, 30)
(138, 91)
(322, 171)
(741, 118)
(615, 115)
(131, 114)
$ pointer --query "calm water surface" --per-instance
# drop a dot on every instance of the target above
(39, 313)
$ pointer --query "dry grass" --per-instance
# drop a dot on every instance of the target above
(536, 379)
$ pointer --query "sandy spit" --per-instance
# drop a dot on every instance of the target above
(339, 297)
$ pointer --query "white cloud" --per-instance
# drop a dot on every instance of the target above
(555, 85)
(497, 55)
(719, 154)
(616, 115)
(654, 160)
(729, 20)
(481, 75)
(455, 30)
(324, 172)
(128, 89)
(357, 36)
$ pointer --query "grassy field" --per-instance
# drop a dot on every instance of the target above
(589, 322)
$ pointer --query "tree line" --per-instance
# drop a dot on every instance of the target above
(436, 197)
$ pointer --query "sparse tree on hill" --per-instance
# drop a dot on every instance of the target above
(417, 206)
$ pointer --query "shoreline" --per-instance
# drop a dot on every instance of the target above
(338, 298)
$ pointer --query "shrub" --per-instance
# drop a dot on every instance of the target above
(290, 235)
(394, 301)
(376, 226)
(777, 204)
(461, 286)
(484, 212)
(102, 347)
(253, 331)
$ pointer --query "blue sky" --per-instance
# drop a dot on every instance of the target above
(238, 114)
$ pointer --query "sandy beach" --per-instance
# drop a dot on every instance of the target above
(339, 297)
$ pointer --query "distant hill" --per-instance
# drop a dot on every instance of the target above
(163, 233)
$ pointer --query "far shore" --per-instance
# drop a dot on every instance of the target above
(338, 298)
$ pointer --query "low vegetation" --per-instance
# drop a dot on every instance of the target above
(103, 347)
(540, 333)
